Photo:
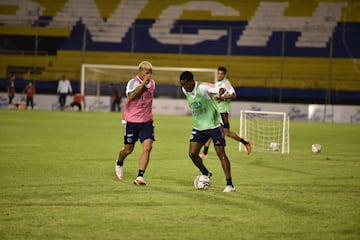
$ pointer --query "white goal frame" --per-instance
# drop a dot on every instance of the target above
(106, 66)
(133, 68)
(285, 138)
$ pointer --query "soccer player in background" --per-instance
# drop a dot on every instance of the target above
(78, 100)
(138, 118)
(224, 105)
(115, 98)
(11, 88)
(29, 92)
(64, 88)
(207, 124)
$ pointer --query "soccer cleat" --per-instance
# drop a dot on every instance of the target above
(208, 175)
(202, 155)
(229, 188)
(248, 148)
(139, 181)
(119, 171)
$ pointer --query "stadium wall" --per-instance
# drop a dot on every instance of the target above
(296, 112)
(278, 51)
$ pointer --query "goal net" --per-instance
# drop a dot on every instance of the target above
(267, 131)
(96, 79)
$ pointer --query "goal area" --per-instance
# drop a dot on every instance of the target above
(267, 131)
(96, 80)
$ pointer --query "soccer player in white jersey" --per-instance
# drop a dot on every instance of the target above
(223, 105)
(64, 88)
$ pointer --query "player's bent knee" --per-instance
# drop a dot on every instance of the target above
(147, 148)
(193, 155)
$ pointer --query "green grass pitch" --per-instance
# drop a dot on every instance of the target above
(57, 182)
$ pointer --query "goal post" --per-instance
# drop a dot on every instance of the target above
(95, 80)
(267, 131)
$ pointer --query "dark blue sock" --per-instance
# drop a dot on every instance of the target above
(141, 173)
(206, 149)
(229, 181)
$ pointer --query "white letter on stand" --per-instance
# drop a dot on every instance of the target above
(161, 29)
(315, 30)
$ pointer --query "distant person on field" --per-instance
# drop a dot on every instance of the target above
(29, 92)
(11, 88)
(207, 124)
(64, 88)
(138, 117)
(115, 98)
(78, 101)
(224, 104)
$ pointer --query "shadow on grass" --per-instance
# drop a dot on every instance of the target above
(259, 163)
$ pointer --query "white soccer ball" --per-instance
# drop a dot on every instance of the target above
(202, 182)
(316, 148)
(274, 146)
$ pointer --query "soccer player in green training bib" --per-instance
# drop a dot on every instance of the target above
(207, 123)
(223, 104)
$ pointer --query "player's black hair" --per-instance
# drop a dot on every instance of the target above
(223, 69)
(187, 75)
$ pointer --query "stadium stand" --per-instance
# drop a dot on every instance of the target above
(123, 32)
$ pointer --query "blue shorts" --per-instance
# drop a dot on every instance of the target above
(217, 135)
(135, 131)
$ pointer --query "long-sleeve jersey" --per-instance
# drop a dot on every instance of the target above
(64, 86)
